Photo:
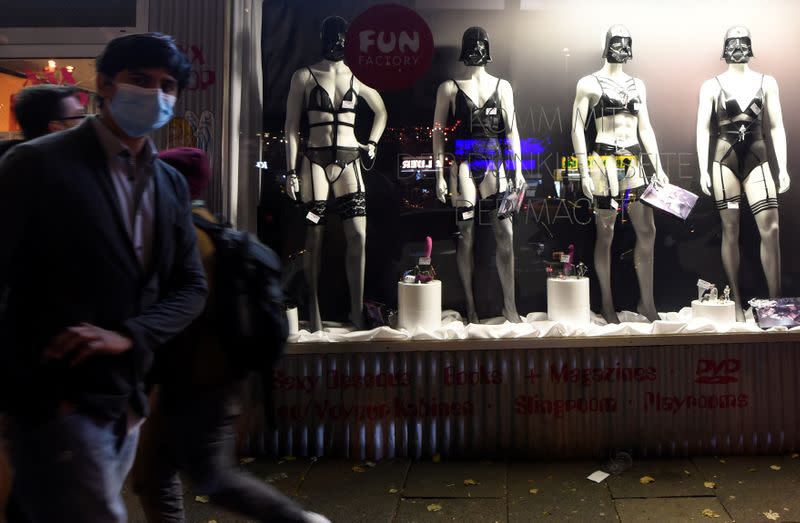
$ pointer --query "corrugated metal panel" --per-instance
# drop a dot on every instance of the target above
(198, 27)
(652, 401)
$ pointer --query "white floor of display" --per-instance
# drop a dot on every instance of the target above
(535, 325)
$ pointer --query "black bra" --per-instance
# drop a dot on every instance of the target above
(486, 121)
(320, 101)
(625, 99)
(731, 114)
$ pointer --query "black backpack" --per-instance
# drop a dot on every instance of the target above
(248, 305)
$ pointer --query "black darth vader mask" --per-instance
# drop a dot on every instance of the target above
(619, 50)
(334, 31)
(737, 50)
(475, 47)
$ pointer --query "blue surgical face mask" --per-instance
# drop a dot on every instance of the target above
(139, 110)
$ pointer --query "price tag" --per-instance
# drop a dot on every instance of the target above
(467, 215)
(313, 218)
(565, 258)
(614, 204)
(491, 111)
(349, 104)
(733, 205)
(424, 261)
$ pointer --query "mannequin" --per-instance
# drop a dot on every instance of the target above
(740, 156)
(328, 92)
(618, 103)
(483, 108)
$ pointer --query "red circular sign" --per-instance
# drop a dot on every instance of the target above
(389, 47)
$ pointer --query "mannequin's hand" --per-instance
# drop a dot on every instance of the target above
(662, 177)
(588, 186)
(783, 182)
(519, 181)
(292, 185)
(371, 149)
(705, 183)
(441, 188)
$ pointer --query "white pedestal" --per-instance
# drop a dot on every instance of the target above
(568, 300)
(291, 316)
(715, 311)
(419, 305)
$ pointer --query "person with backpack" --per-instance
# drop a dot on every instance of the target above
(200, 377)
(100, 266)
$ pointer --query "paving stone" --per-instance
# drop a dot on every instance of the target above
(285, 475)
(670, 510)
(446, 480)
(747, 487)
(452, 509)
(334, 489)
(563, 493)
(671, 480)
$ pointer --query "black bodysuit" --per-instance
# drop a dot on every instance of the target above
(740, 142)
(480, 133)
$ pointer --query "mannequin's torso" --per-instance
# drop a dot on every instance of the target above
(335, 80)
(483, 93)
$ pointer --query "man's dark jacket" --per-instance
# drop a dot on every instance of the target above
(66, 258)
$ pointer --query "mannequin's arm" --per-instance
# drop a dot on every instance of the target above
(580, 119)
(512, 130)
(704, 109)
(375, 102)
(443, 96)
(647, 136)
(291, 129)
(777, 132)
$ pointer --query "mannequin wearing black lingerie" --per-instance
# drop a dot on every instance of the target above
(617, 103)
(731, 124)
(328, 93)
(486, 138)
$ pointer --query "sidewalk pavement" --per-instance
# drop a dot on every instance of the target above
(744, 489)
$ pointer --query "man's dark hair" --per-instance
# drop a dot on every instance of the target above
(144, 51)
(36, 106)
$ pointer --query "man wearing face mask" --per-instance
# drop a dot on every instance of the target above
(100, 263)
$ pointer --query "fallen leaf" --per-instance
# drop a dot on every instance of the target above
(772, 516)
(732, 498)
(212, 521)
(751, 470)
(775, 467)
(710, 484)
(795, 455)
(314, 459)
(534, 491)
(710, 513)
(356, 468)
(370, 464)
(245, 461)
(644, 480)
(722, 461)
(201, 499)
(470, 482)
(687, 472)
(434, 507)
(393, 491)
(437, 458)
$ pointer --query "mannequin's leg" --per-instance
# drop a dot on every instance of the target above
(761, 193)
(315, 234)
(723, 178)
(355, 231)
(465, 195)
(504, 257)
(604, 223)
(465, 260)
(643, 253)
(314, 192)
(351, 207)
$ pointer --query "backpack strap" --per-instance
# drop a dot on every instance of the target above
(206, 226)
